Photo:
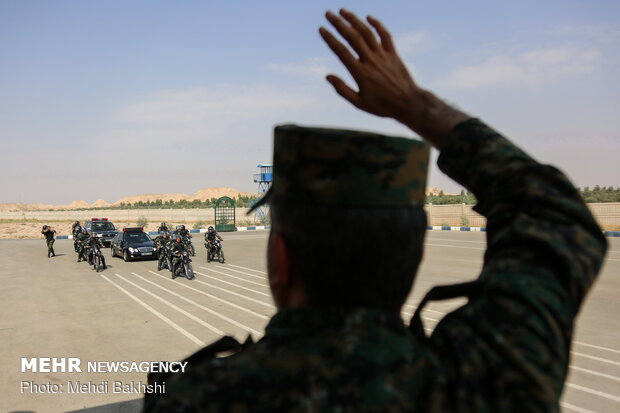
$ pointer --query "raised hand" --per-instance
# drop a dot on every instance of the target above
(385, 87)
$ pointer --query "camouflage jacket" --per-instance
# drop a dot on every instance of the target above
(506, 350)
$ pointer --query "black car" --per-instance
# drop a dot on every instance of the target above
(101, 228)
(133, 243)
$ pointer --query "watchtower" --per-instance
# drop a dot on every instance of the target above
(263, 179)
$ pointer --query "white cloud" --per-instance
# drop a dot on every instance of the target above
(531, 67)
(411, 43)
(600, 33)
(313, 67)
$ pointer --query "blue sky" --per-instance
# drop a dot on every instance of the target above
(107, 99)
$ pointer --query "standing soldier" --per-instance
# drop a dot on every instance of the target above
(49, 235)
(337, 341)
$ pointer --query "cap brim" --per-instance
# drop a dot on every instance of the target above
(261, 202)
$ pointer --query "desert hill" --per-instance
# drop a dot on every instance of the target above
(202, 194)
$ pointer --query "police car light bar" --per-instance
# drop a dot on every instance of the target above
(94, 219)
(125, 229)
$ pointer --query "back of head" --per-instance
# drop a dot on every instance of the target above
(350, 207)
(355, 256)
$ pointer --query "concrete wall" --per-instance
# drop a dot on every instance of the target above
(171, 216)
(607, 214)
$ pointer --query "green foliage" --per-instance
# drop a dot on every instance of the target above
(443, 199)
(199, 225)
(464, 221)
(141, 222)
(240, 202)
(598, 194)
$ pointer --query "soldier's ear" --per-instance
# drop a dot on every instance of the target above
(279, 262)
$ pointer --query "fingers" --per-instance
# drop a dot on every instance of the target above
(367, 34)
(340, 50)
(350, 34)
(384, 35)
(345, 91)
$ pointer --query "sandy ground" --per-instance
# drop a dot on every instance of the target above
(32, 230)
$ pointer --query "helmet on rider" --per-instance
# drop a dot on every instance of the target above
(178, 238)
(210, 229)
(44, 227)
(164, 234)
(163, 224)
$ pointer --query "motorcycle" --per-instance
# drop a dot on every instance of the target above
(184, 267)
(163, 259)
(215, 251)
(97, 260)
(187, 241)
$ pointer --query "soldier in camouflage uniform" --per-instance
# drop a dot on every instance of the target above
(337, 342)
(76, 229)
(176, 249)
(49, 235)
(161, 243)
(82, 240)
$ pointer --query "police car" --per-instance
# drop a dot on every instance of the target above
(101, 228)
(133, 243)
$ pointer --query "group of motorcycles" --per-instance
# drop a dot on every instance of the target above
(166, 255)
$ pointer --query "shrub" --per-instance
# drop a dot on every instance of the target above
(142, 222)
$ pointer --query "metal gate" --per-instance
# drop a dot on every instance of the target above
(225, 214)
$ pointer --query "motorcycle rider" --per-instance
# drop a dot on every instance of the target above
(49, 233)
(161, 243)
(163, 227)
(183, 232)
(76, 229)
(92, 241)
(176, 249)
(82, 240)
(210, 236)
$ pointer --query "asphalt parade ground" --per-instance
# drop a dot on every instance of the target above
(57, 307)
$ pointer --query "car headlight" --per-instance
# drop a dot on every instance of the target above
(154, 249)
(131, 250)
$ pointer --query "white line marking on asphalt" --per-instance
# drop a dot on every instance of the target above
(596, 358)
(233, 293)
(208, 310)
(410, 314)
(179, 309)
(162, 317)
(246, 268)
(260, 277)
(597, 347)
(595, 392)
(235, 277)
(596, 373)
(454, 246)
(247, 310)
(233, 284)
(575, 408)
(455, 240)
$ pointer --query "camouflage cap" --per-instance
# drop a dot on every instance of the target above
(345, 167)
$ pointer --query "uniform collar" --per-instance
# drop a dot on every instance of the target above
(312, 320)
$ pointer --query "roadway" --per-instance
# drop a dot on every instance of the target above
(57, 307)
